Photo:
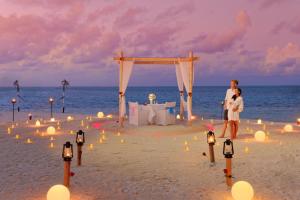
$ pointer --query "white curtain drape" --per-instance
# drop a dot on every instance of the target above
(180, 85)
(185, 70)
(127, 69)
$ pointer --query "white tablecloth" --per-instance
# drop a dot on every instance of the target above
(150, 113)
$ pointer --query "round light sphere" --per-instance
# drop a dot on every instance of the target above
(100, 115)
(50, 130)
(288, 128)
(37, 123)
(242, 190)
(260, 136)
(259, 121)
(58, 192)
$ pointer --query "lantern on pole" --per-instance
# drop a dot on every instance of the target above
(228, 153)
(13, 101)
(211, 140)
(51, 100)
(67, 155)
(80, 140)
(64, 84)
(30, 116)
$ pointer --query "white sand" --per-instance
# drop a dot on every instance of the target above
(151, 164)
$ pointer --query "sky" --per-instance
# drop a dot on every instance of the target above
(45, 41)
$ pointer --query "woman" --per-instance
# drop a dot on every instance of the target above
(236, 105)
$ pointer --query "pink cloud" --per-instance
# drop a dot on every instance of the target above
(285, 59)
(129, 18)
(212, 42)
(269, 3)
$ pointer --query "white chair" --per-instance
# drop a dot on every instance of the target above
(138, 115)
(166, 116)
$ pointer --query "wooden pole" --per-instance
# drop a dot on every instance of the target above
(211, 153)
(79, 153)
(120, 91)
(13, 112)
(181, 108)
(67, 170)
(228, 172)
(191, 77)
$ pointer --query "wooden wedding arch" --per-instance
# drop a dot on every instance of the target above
(157, 61)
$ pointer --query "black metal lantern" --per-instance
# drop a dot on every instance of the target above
(211, 139)
(51, 100)
(67, 152)
(80, 139)
(228, 149)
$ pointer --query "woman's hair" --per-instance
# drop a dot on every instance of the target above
(240, 91)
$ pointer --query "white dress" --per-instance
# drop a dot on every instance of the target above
(239, 104)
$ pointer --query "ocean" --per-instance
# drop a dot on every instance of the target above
(272, 103)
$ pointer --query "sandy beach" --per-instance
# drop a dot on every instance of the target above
(150, 162)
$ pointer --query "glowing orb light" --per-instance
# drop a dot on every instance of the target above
(91, 146)
(193, 117)
(100, 115)
(259, 121)
(37, 123)
(70, 118)
(260, 136)
(58, 192)
(52, 119)
(288, 128)
(178, 116)
(242, 190)
(50, 130)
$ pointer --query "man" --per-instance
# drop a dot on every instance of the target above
(229, 93)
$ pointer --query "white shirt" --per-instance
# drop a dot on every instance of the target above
(239, 104)
(229, 93)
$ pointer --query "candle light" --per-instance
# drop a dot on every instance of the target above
(122, 141)
(51, 145)
(52, 119)
(185, 143)
(37, 123)
(118, 134)
(28, 141)
(187, 148)
(288, 128)
(100, 141)
(8, 130)
(17, 136)
(246, 150)
(110, 116)
(69, 118)
(177, 116)
(91, 146)
(259, 121)
(298, 121)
